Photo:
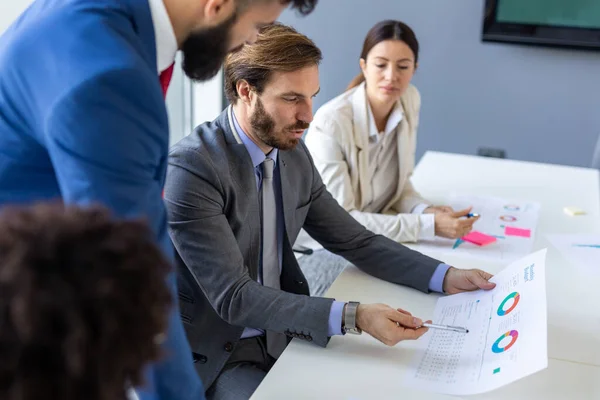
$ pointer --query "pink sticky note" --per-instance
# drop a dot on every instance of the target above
(512, 231)
(478, 238)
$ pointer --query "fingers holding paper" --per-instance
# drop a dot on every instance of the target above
(466, 280)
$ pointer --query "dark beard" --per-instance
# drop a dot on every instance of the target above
(205, 51)
(263, 126)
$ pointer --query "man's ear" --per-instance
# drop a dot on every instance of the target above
(244, 91)
(218, 11)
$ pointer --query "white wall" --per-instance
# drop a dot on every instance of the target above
(207, 101)
(11, 9)
(191, 104)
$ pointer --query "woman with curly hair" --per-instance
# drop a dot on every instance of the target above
(83, 303)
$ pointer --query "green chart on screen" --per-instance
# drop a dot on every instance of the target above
(572, 13)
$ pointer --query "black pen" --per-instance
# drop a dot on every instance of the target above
(303, 251)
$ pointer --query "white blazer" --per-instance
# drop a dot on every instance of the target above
(338, 140)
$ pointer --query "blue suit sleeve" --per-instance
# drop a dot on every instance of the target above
(108, 142)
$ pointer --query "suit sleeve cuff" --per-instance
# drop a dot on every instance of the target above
(335, 318)
(427, 226)
(436, 283)
(420, 208)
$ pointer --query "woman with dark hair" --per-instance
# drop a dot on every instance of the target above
(363, 144)
(83, 303)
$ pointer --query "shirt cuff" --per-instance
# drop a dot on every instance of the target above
(436, 283)
(335, 318)
(420, 208)
(426, 226)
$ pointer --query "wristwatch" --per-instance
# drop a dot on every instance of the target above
(349, 320)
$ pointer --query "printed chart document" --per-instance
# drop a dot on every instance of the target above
(512, 223)
(580, 250)
(507, 337)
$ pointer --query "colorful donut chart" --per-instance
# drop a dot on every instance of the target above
(496, 347)
(514, 295)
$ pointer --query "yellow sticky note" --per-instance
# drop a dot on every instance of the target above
(573, 211)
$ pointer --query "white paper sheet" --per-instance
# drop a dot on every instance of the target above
(580, 250)
(507, 337)
(496, 215)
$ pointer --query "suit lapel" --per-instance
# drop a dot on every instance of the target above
(404, 145)
(242, 169)
(242, 173)
(361, 139)
(142, 17)
(292, 278)
(289, 193)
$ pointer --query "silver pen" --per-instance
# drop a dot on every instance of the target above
(447, 328)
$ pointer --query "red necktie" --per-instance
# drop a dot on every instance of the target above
(165, 78)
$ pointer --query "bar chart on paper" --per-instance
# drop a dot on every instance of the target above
(512, 223)
(506, 340)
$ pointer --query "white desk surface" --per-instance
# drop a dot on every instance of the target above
(359, 367)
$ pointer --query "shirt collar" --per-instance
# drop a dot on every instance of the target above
(166, 42)
(256, 154)
(394, 119)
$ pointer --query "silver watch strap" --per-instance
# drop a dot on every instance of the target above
(350, 318)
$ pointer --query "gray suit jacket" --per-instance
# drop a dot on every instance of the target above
(214, 216)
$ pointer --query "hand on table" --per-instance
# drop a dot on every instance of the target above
(453, 225)
(466, 280)
(388, 325)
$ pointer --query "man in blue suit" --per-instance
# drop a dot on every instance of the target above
(82, 115)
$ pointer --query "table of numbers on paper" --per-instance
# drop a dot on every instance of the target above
(506, 339)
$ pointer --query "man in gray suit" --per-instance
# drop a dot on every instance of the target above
(239, 189)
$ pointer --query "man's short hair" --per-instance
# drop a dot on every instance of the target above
(279, 48)
(83, 303)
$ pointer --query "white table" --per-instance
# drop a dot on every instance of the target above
(359, 367)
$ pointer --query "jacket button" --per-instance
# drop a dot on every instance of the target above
(309, 338)
(199, 358)
(301, 336)
(228, 347)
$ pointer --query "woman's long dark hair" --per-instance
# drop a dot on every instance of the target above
(386, 30)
